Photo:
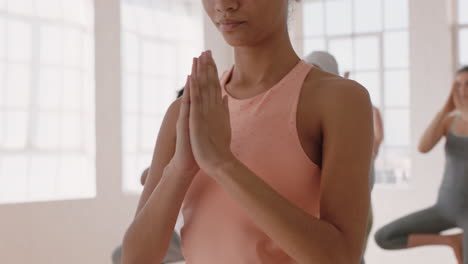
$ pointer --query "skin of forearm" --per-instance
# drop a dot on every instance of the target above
(304, 237)
(147, 239)
(433, 132)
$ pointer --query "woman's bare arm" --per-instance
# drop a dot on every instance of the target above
(147, 238)
(439, 126)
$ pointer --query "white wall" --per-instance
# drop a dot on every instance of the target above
(86, 231)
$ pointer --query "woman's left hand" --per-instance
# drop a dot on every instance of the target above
(210, 128)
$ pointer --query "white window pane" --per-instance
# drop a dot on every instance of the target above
(73, 45)
(131, 93)
(130, 133)
(51, 45)
(338, 17)
(154, 67)
(313, 19)
(397, 92)
(150, 95)
(50, 88)
(2, 84)
(3, 35)
(146, 21)
(184, 60)
(396, 46)
(367, 53)
(13, 178)
(128, 17)
(462, 11)
(151, 60)
(76, 178)
(89, 143)
(371, 81)
(42, 177)
(311, 45)
(71, 131)
(88, 93)
(49, 8)
(397, 132)
(16, 129)
(463, 46)
(77, 11)
(19, 41)
(20, 6)
(48, 127)
(17, 86)
(342, 49)
(72, 90)
(88, 53)
(149, 130)
(169, 30)
(158, 59)
(2, 128)
(367, 15)
(396, 14)
(156, 96)
(165, 95)
(167, 64)
(131, 52)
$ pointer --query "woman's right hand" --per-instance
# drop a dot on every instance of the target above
(183, 160)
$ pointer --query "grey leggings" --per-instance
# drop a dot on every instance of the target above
(428, 221)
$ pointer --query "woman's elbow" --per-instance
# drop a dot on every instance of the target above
(423, 148)
(134, 252)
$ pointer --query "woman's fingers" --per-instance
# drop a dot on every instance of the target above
(194, 68)
(214, 78)
(195, 101)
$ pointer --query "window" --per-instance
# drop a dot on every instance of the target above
(46, 100)
(159, 38)
(462, 30)
(370, 39)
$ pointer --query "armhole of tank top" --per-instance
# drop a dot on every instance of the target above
(295, 106)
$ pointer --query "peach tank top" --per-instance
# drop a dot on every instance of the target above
(264, 137)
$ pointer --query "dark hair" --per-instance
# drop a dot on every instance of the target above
(180, 92)
(462, 70)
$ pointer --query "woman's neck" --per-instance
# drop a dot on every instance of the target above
(264, 63)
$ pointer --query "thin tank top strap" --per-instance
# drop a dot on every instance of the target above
(298, 83)
(454, 123)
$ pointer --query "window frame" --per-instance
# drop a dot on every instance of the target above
(300, 37)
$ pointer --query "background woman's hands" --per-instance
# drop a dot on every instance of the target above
(210, 128)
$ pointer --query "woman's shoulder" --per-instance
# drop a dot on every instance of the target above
(331, 91)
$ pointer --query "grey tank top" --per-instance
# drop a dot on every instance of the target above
(454, 188)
